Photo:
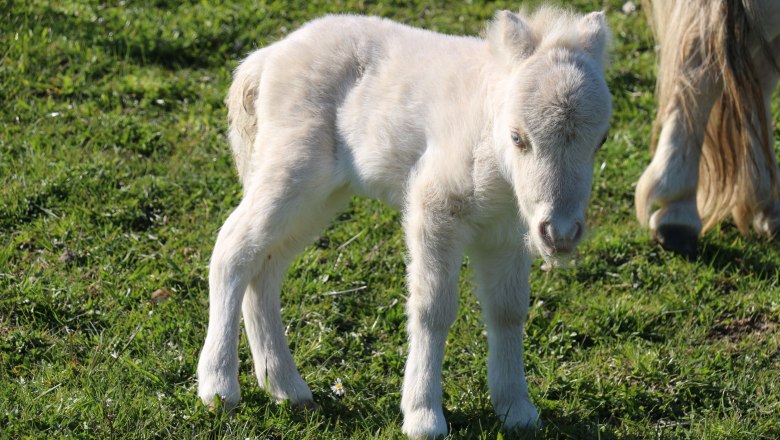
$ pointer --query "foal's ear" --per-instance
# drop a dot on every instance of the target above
(594, 35)
(511, 37)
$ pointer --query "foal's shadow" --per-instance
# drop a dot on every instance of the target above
(478, 422)
(483, 424)
(463, 424)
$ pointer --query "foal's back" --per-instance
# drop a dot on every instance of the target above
(368, 91)
(318, 65)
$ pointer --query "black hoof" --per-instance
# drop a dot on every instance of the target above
(678, 239)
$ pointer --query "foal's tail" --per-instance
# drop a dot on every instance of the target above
(719, 34)
(242, 119)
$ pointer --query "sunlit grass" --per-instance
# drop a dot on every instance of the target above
(116, 176)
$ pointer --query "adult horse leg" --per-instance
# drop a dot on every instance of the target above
(286, 187)
(671, 180)
(502, 286)
(766, 220)
(435, 252)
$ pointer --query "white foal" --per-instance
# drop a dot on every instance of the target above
(718, 67)
(487, 146)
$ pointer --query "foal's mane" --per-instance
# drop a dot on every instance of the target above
(551, 27)
(705, 37)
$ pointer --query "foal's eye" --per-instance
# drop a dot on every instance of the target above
(518, 140)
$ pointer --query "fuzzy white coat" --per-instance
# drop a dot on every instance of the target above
(487, 146)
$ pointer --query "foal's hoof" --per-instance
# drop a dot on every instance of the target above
(678, 239)
(306, 405)
(219, 405)
(521, 414)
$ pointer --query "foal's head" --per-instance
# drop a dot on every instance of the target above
(554, 115)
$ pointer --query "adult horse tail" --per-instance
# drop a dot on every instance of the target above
(739, 119)
(713, 39)
(240, 102)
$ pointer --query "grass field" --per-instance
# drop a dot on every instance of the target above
(116, 176)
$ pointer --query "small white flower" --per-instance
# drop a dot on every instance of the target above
(338, 388)
(629, 8)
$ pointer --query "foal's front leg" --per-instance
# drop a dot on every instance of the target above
(502, 286)
(435, 257)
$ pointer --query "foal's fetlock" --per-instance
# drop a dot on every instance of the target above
(218, 392)
(424, 424)
(293, 390)
(218, 377)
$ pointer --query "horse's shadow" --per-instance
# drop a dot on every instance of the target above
(751, 256)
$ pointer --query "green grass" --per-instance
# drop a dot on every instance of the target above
(115, 176)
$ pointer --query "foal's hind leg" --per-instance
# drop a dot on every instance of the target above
(765, 203)
(274, 365)
(235, 257)
(671, 180)
(283, 192)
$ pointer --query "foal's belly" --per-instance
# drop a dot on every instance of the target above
(379, 143)
(380, 168)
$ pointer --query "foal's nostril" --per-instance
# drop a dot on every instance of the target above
(561, 239)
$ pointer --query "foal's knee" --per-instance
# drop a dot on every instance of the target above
(433, 314)
(504, 318)
(433, 299)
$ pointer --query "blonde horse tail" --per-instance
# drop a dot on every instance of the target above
(730, 162)
(719, 34)
(241, 101)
